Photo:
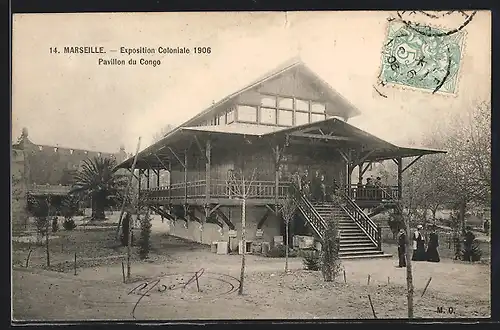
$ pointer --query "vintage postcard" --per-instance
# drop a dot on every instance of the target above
(251, 165)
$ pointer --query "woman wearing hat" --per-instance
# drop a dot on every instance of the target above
(432, 252)
(418, 245)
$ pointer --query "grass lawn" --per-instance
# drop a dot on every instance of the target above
(98, 291)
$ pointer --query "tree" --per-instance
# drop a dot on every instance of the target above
(287, 212)
(242, 188)
(97, 180)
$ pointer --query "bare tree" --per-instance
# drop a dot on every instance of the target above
(287, 212)
(243, 188)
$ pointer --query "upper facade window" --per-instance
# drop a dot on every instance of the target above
(281, 111)
(247, 114)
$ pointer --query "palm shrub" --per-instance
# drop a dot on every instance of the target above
(98, 180)
(144, 239)
(330, 259)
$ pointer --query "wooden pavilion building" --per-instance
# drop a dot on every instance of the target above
(288, 121)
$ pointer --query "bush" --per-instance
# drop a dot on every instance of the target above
(311, 260)
(69, 224)
(280, 251)
(41, 224)
(55, 225)
(144, 239)
(126, 229)
(330, 259)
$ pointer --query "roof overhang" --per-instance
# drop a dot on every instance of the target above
(330, 133)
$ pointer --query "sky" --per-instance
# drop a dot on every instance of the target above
(71, 101)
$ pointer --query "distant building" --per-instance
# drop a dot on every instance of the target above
(41, 170)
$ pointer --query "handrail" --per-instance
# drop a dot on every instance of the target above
(366, 224)
(309, 211)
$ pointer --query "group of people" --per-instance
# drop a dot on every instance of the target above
(314, 188)
(372, 190)
(419, 251)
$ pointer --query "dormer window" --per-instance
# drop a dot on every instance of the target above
(285, 103)
(318, 107)
(247, 113)
(55, 149)
(70, 151)
(40, 148)
(98, 154)
(268, 101)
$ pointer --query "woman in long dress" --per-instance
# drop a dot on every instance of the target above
(418, 245)
(432, 252)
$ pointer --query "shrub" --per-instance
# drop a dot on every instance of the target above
(279, 252)
(69, 224)
(126, 229)
(330, 259)
(41, 225)
(144, 239)
(311, 260)
(55, 225)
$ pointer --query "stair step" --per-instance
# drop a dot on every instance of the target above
(351, 230)
(356, 244)
(358, 248)
(348, 225)
(357, 238)
(360, 252)
(356, 234)
(366, 256)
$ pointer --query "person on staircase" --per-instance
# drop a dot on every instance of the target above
(322, 189)
(418, 245)
(402, 248)
(432, 252)
(315, 187)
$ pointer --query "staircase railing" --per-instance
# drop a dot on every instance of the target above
(370, 228)
(308, 211)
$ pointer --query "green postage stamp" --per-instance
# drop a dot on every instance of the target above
(422, 57)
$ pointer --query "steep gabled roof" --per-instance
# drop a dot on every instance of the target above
(296, 63)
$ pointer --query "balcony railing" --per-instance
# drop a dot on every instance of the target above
(218, 189)
(373, 193)
(258, 190)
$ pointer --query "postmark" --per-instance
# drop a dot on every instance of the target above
(451, 21)
(425, 61)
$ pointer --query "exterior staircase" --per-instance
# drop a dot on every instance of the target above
(360, 237)
(354, 243)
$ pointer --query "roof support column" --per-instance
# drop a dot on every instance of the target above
(399, 162)
(139, 180)
(276, 177)
(208, 151)
(185, 176)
